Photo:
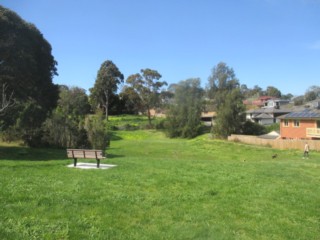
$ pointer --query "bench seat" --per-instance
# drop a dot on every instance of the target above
(85, 153)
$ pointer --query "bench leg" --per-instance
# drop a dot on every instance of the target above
(75, 162)
(98, 163)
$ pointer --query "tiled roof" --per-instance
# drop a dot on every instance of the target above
(264, 116)
(269, 110)
(305, 114)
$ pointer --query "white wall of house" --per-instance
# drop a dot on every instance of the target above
(266, 121)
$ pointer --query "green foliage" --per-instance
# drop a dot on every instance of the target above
(106, 85)
(310, 96)
(230, 115)
(183, 116)
(312, 93)
(255, 92)
(27, 68)
(298, 100)
(274, 92)
(225, 90)
(221, 81)
(28, 123)
(119, 104)
(273, 127)
(64, 131)
(133, 122)
(132, 101)
(144, 90)
(6, 99)
(73, 101)
(65, 127)
(96, 130)
(288, 96)
(252, 128)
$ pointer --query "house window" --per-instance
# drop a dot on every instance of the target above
(296, 123)
(286, 123)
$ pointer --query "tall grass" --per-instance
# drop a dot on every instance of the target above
(161, 189)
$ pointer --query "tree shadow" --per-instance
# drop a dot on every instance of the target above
(110, 155)
(114, 137)
(32, 154)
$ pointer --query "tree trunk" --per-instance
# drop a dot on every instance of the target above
(149, 116)
(106, 104)
(106, 109)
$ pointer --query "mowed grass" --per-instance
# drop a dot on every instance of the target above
(161, 189)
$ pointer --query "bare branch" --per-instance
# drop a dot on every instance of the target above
(6, 102)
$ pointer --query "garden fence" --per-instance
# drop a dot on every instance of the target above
(276, 143)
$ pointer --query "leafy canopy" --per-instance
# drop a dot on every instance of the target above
(26, 69)
(108, 79)
(147, 87)
(185, 111)
(225, 90)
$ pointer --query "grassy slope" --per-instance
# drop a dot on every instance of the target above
(161, 189)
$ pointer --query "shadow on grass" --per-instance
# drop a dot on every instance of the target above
(32, 154)
(38, 154)
(109, 156)
(114, 137)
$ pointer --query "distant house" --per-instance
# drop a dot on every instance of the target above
(259, 102)
(208, 118)
(266, 116)
(275, 103)
(268, 113)
(303, 124)
(157, 113)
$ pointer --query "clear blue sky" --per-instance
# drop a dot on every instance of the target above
(266, 42)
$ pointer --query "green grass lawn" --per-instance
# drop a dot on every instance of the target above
(161, 189)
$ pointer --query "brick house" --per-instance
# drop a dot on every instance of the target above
(304, 124)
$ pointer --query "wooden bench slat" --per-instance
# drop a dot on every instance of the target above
(85, 153)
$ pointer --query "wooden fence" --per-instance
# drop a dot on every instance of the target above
(276, 143)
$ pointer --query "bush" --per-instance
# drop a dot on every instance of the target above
(273, 127)
(11, 135)
(65, 131)
(252, 128)
(96, 131)
(160, 125)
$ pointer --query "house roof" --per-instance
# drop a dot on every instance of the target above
(263, 116)
(270, 135)
(266, 98)
(269, 110)
(208, 114)
(304, 114)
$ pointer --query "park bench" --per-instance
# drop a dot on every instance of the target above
(85, 153)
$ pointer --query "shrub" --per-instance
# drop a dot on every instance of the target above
(252, 128)
(96, 131)
(273, 127)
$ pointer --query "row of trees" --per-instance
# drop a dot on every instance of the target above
(40, 112)
(183, 101)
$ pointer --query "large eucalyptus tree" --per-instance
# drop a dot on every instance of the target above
(107, 82)
(147, 86)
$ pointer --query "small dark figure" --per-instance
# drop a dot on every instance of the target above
(274, 156)
(306, 151)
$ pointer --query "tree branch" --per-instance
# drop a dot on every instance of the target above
(6, 102)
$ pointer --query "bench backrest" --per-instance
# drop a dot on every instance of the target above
(85, 153)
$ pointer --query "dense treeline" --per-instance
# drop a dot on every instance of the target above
(41, 113)
(26, 71)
